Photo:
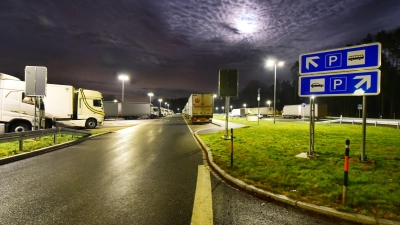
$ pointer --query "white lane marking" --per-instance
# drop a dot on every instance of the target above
(202, 207)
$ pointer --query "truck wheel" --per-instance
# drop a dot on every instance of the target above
(91, 124)
(19, 127)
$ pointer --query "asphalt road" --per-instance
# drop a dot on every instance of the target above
(144, 174)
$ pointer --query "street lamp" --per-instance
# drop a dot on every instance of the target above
(115, 100)
(214, 96)
(160, 100)
(244, 106)
(123, 78)
(150, 95)
(223, 109)
(216, 108)
(273, 63)
(231, 108)
(269, 103)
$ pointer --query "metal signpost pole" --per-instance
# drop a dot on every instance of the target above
(258, 99)
(312, 110)
(274, 92)
(226, 117)
(363, 157)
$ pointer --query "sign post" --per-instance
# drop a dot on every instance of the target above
(258, 99)
(303, 106)
(228, 86)
(350, 71)
(359, 107)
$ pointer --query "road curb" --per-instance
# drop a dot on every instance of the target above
(41, 151)
(282, 198)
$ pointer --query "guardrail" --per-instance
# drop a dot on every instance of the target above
(20, 136)
(368, 121)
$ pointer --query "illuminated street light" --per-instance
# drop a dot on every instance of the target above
(123, 78)
(150, 95)
(244, 106)
(223, 109)
(269, 64)
(214, 96)
(216, 108)
(231, 108)
(115, 100)
(160, 100)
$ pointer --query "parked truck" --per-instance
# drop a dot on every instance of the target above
(297, 111)
(264, 111)
(110, 109)
(238, 112)
(63, 104)
(137, 110)
(17, 112)
(200, 108)
(74, 107)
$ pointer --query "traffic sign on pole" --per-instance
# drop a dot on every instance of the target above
(359, 57)
(341, 84)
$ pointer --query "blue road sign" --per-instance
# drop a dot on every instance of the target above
(346, 84)
(359, 57)
(359, 106)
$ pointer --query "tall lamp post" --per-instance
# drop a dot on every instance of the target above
(214, 96)
(160, 100)
(274, 63)
(150, 95)
(123, 78)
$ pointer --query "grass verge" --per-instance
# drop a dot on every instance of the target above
(12, 148)
(265, 156)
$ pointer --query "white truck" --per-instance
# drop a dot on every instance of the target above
(164, 112)
(297, 111)
(264, 111)
(110, 109)
(238, 112)
(137, 110)
(16, 115)
(73, 107)
(200, 108)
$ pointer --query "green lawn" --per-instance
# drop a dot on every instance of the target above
(12, 148)
(265, 156)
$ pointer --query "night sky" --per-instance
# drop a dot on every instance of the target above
(175, 47)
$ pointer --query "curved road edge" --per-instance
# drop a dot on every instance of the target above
(282, 198)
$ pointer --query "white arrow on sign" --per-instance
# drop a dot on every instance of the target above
(310, 60)
(365, 78)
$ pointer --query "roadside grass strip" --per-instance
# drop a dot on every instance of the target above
(265, 156)
(12, 148)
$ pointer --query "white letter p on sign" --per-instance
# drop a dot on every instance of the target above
(337, 82)
(332, 59)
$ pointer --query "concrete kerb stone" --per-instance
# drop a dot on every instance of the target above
(282, 198)
(333, 212)
(26, 155)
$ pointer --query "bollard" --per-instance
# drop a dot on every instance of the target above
(346, 171)
(231, 147)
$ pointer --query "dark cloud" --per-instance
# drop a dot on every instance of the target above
(173, 48)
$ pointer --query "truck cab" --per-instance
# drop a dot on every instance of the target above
(16, 114)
